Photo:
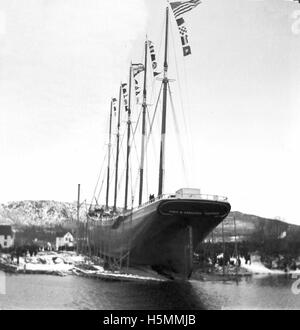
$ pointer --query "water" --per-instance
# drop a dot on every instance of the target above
(51, 292)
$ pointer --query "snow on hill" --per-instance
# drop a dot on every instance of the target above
(39, 213)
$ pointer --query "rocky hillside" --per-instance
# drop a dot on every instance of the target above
(38, 213)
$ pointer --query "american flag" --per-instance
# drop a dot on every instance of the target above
(182, 7)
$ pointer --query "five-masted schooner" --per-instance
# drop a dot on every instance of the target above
(162, 232)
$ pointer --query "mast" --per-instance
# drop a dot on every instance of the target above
(143, 125)
(118, 147)
(109, 154)
(128, 138)
(164, 112)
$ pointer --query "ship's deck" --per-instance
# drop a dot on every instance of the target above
(204, 197)
(165, 197)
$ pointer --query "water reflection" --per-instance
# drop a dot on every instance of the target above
(50, 292)
(257, 292)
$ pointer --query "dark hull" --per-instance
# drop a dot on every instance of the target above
(161, 234)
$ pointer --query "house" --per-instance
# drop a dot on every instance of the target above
(64, 240)
(6, 236)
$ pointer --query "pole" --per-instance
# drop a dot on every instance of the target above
(88, 236)
(143, 125)
(212, 247)
(109, 153)
(129, 239)
(164, 112)
(235, 245)
(223, 241)
(128, 138)
(118, 147)
(78, 223)
(191, 250)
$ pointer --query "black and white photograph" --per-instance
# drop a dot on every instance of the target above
(149, 157)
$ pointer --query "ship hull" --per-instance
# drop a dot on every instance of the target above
(162, 234)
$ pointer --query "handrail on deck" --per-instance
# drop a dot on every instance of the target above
(186, 196)
(175, 196)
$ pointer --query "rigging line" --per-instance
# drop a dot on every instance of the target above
(121, 151)
(133, 142)
(102, 184)
(147, 184)
(122, 139)
(137, 123)
(184, 111)
(124, 169)
(188, 117)
(122, 148)
(100, 189)
(152, 89)
(139, 161)
(121, 179)
(111, 180)
(145, 159)
(151, 123)
(100, 173)
(153, 142)
(87, 231)
(99, 176)
(179, 84)
(160, 51)
(133, 192)
(148, 117)
(135, 147)
(178, 135)
(185, 108)
(131, 188)
(147, 170)
(155, 111)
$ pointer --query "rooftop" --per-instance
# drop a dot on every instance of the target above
(6, 230)
(62, 233)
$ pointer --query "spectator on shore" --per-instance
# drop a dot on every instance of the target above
(248, 258)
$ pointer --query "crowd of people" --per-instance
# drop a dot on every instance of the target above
(222, 259)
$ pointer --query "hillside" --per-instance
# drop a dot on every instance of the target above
(50, 213)
(252, 227)
(38, 213)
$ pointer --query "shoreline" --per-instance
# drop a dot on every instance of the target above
(69, 263)
(256, 268)
(76, 271)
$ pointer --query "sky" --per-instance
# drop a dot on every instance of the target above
(236, 98)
